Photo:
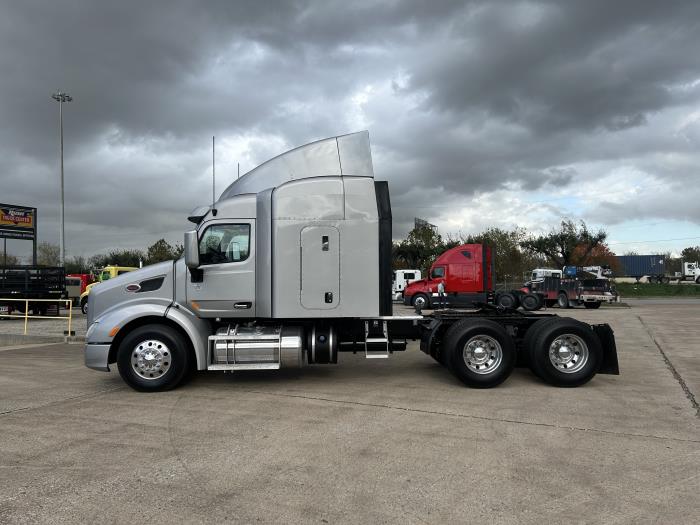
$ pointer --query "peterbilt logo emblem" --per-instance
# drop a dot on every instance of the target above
(134, 287)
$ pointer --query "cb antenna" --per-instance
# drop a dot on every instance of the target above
(213, 174)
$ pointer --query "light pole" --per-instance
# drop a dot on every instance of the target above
(61, 97)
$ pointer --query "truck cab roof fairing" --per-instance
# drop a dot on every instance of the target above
(331, 157)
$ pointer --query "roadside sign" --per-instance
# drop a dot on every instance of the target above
(18, 222)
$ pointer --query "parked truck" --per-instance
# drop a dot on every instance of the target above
(73, 289)
(467, 272)
(101, 275)
(270, 280)
(85, 280)
(589, 286)
(654, 269)
(690, 272)
(400, 279)
(31, 282)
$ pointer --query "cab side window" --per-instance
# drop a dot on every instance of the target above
(224, 243)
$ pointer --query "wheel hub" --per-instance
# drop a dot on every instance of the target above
(482, 354)
(565, 353)
(151, 359)
(568, 353)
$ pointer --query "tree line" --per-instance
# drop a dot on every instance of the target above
(48, 254)
(517, 252)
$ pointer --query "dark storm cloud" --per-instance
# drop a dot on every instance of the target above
(461, 98)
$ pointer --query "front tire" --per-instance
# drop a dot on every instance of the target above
(563, 300)
(420, 301)
(479, 352)
(564, 352)
(153, 358)
(84, 305)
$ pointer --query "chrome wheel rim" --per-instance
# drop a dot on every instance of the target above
(151, 359)
(419, 302)
(482, 354)
(568, 353)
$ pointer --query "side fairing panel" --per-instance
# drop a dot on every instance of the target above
(354, 217)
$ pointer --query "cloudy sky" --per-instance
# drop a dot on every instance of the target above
(480, 114)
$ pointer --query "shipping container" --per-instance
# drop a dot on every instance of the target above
(638, 266)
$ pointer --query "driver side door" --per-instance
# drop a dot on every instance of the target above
(226, 287)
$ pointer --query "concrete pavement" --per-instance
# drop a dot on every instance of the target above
(364, 441)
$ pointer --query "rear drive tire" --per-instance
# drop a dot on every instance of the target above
(530, 337)
(479, 352)
(153, 358)
(420, 301)
(592, 305)
(531, 302)
(507, 300)
(563, 300)
(565, 352)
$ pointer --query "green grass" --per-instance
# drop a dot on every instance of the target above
(657, 290)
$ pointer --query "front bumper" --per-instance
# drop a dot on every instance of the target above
(97, 356)
(603, 298)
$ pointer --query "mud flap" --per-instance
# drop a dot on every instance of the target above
(607, 340)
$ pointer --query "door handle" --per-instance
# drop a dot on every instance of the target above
(242, 306)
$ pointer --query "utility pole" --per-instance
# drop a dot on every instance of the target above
(61, 97)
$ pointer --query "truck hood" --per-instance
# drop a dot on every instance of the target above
(155, 284)
(415, 285)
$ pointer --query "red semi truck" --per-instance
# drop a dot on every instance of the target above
(468, 273)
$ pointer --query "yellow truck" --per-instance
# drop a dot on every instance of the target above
(104, 274)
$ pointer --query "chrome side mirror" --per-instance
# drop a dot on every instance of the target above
(191, 249)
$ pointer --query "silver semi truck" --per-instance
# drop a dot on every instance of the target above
(290, 267)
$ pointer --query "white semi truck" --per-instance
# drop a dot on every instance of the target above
(290, 267)
(402, 278)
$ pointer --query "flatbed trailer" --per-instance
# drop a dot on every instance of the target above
(290, 267)
(31, 282)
